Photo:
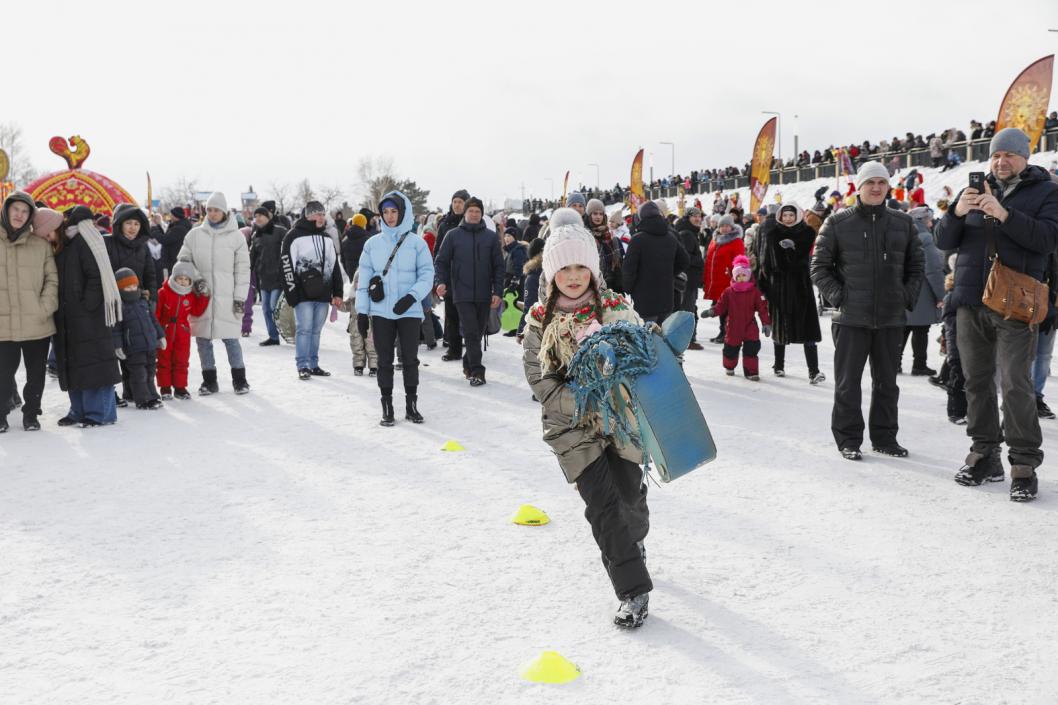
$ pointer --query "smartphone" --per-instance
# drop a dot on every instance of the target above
(977, 181)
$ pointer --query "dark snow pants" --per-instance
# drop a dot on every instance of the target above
(453, 339)
(853, 347)
(141, 369)
(34, 354)
(474, 317)
(386, 332)
(616, 499)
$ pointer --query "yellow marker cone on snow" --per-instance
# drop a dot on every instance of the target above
(452, 447)
(549, 667)
(528, 515)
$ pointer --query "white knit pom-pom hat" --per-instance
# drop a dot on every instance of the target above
(570, 244)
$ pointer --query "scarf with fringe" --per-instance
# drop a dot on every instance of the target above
(111, 295)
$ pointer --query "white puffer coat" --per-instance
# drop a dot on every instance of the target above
(223, 260)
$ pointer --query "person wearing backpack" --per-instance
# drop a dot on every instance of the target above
(312, 283)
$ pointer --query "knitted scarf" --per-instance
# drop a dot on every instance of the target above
(559, 341)
(111, 295)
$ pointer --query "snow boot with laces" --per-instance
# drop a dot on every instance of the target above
(1023, 483)
(980, 468)
(632, 612)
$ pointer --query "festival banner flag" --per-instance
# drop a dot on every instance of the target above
(760, 167)
(1025, 104)
(636, 194)
(565, 188)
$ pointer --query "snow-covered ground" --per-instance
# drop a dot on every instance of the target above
(281, 547)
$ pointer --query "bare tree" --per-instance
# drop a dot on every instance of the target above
(377, 178)
(180, 194)
(304, 194)
(22, 171)
(280, 193)
(330, 195)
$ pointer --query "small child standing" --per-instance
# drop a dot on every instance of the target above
(741, 303)
(178, 300)
(362, 347)
(956, 381)
(136, 336)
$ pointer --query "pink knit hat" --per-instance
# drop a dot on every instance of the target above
(45, 220)
(740, 265)
(570, 244)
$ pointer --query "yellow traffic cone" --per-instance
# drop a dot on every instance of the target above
(549, 667)
(452, 447)
(528, 515)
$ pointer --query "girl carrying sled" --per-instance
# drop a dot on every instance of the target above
(607, 473)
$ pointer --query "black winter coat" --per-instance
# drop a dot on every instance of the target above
(783, 277)
(352, 248)
(84, 345)
(868, 263)
(653, 260)
(133, 253)
(138, 331)
(266, 249)
(1024, 242)
(172, 240)
(306, 246)
(691, 240)
(470, 264)
(450, 221)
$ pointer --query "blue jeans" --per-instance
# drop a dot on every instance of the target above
(232, 347)
(1041, 368)
(309, 317)
(98, 405)
(269, 301)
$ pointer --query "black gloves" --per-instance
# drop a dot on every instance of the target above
(404, 304)
(362, 322)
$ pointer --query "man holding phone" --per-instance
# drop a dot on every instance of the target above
(1016, 207)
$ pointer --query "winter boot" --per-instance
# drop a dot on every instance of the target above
(387, 411)
(893, 450)
(851, 453)
(411, 410)
(358, 371)
(980, 468)
(182, 393)
(209, 383)
(1023, 483)
(372, 372)
(780, 372)
(31, 423)
(632, 611)
(238, 380)
(3, 424)
(167, 393)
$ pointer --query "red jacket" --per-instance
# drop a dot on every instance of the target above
(741, 308)
(718, 260)
(173, 312)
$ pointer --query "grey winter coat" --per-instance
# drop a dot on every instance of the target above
(926, 312)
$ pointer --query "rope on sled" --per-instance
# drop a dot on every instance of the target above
(605, 361)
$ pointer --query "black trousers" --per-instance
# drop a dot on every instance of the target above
(919, 345)
(139, 370)
(853, 348)
(811, 357)
(616, 507)
(690, 303)
(386, 333)
(474, 316)
(34, 354)
(452, 338)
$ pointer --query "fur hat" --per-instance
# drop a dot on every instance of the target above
(125, 278)
(570, 244)
(217, 200)
(45, 220)
(870, 170)
(740, 265)
(595, 206)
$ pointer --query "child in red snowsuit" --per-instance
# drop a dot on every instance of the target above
(177, 300)
(742, 302)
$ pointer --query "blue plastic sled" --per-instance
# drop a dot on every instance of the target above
(672, 427)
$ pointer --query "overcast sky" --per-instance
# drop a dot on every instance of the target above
(492, 96)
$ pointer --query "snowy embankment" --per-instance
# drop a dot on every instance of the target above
(283, 548)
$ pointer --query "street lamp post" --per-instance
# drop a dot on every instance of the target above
(596, 175)
(673, 145)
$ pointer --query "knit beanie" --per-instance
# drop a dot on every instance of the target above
(595, 206)
(177, 212)
(570, 244)
(475, 202)
(870, 170)
(512, 231)
(217, 200)
(649, 210)
(359, 220)
(125, 278)
(45, 220)
(692, 211)
(740, 265)
(726, 220)
(575, 197)
(1010, 139)
(261, 210)
(565, 216)
(314, 208)
(462, 194)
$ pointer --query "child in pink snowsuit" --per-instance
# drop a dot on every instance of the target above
(742, 302)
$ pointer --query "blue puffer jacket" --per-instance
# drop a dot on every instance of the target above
(410, 273)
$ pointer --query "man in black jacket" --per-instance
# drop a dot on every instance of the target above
(173, 238)
(452, 340)
(653, 260)
(868, 263)
(353, 244)
(469, 271)
(689, 231)
(1018, 216)
(266, 249)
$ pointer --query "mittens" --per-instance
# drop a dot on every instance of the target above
(362, 323)
(201, 287)
(237, 307)
(120, 353)
(404, 304)
(708, 313)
